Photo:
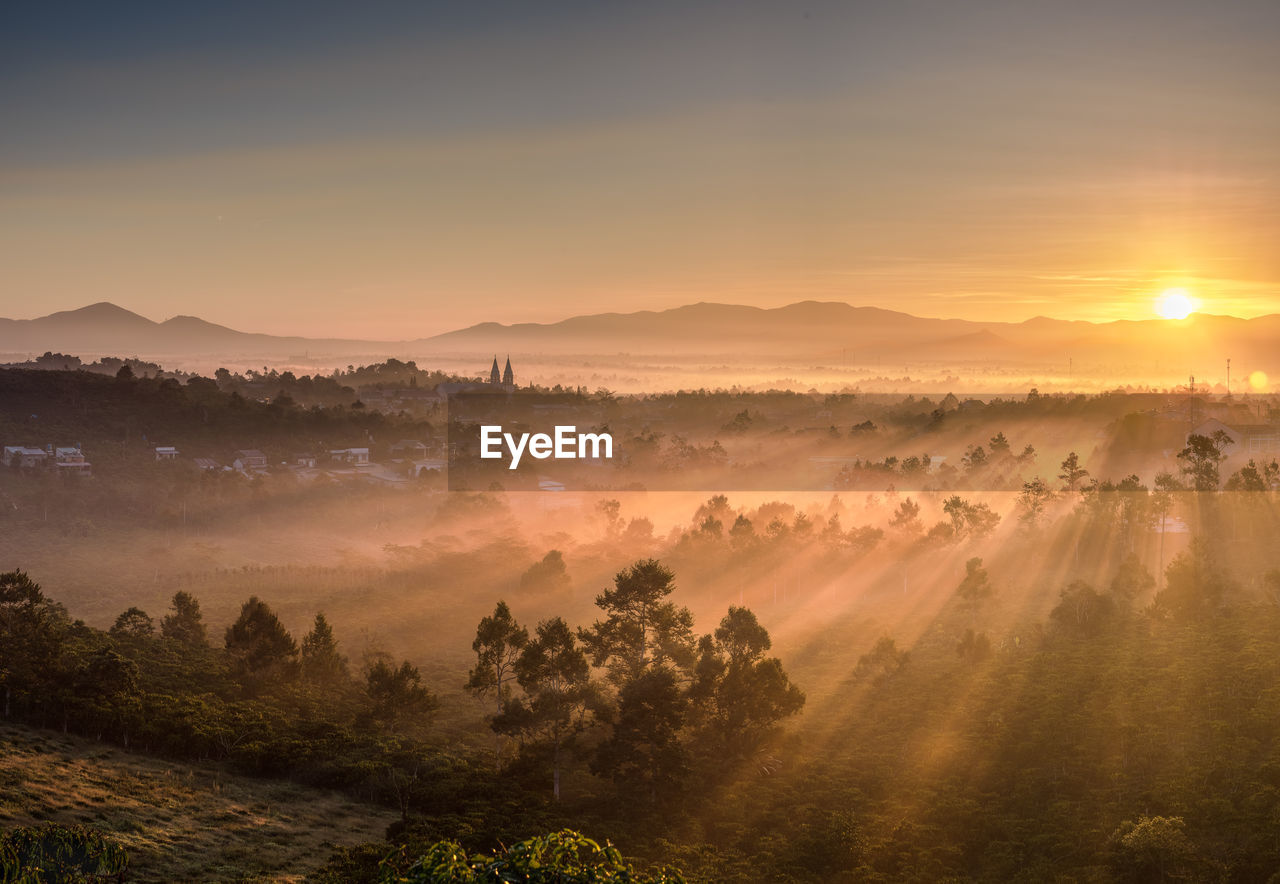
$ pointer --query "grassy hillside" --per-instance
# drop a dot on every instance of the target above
(178, 822)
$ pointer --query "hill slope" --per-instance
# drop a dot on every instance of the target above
(178, 822)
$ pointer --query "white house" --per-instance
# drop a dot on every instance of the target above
(70, 461)
(249, 459)
(27, 458)
(354, 456)
(166, 452)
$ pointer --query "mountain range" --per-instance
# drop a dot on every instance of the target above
(807, 330)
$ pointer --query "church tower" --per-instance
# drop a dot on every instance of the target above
(508, 377)
(494, 377)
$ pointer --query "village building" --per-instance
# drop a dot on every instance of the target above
(1246, 440)
(353, 456)
(249, 459)
(24, 458)
(70, 461)
(410, 448)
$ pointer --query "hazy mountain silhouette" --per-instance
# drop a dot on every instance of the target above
(808, 329)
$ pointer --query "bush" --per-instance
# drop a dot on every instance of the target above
(54, 854)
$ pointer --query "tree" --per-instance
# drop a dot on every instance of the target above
(185, 625)
(1153, 849)
(739, 695)
(563, 857)
(556, 679)
(1072, 473)
(498, 644)
(1162, 499)
(60, 853)
(883, 661)
(976, 584)
(999, 445)
(1132, 580)
(1081, 609)
(643, 754)
(548, 575)
(641, 628)
(259, 645)
(31, 633)
(106, 690)
(975, 519)
(742, 534)
(1195, 583)
(907, 517)
(1034, 498)
(321, 663)
(611, 511)
(974, 459)
(1203, 456)
(133, 624)
(397, 695)
(973, 646)
(1251, 477)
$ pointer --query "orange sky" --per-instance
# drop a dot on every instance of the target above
(393, 179)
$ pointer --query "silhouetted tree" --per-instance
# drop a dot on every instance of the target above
(1202, 456)
(259, 646)
(556, 679)
(1072, 473)
(739, 695)
(643, 754)
(133, 624)
(498, 644)
(976, 584)
(642, 628)
(397, 695)
(321, 663)
(185, 624)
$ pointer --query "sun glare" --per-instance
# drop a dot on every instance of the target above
(1258, 381)
(1175, 304)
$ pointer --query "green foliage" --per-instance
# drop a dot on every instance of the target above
(59, 854)
(1152, 850)
(564, 857)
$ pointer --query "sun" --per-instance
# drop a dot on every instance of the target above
(1175, 304)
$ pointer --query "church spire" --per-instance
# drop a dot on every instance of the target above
(508, 377)
(494, 377)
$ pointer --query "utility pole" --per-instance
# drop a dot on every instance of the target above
(1228, 377)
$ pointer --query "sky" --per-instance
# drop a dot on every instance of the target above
(395, 170)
